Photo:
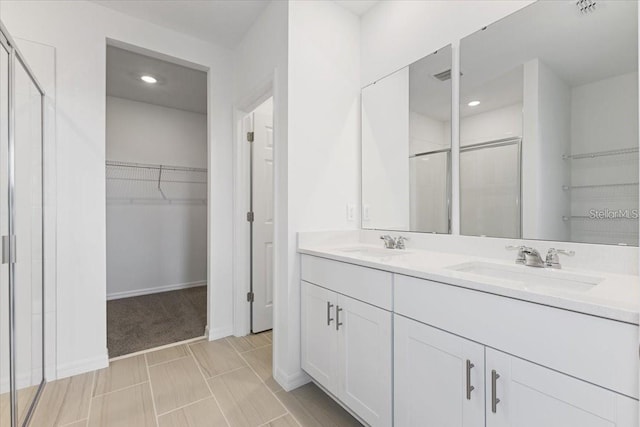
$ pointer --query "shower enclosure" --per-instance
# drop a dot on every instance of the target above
(21, 228)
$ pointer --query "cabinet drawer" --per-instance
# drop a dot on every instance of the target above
(364, 284)
(600, 351)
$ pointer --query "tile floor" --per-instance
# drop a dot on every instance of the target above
(227, 382)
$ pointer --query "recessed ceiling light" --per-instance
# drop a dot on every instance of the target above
(148, 79)
(473, 103)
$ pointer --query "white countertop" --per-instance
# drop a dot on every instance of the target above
(615, 297)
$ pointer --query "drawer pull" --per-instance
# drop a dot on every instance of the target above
(470, 388)
(494, 385)
(329, 318)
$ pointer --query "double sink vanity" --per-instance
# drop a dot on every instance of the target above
(417, 337)
(522, 133)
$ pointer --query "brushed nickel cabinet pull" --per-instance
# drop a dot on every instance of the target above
(329, 318)
(470, 388)
(338, 322)
(494, 385)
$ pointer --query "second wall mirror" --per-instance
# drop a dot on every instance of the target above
(406, 148)
(549, 125)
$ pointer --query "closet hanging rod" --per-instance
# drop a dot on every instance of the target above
(154, 166)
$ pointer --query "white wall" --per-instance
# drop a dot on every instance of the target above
(261, 68)
(546, 137)
(147, 133)
(152, 247)
(78, 31)
(427, 134)
(501, 123)
(385, 153)
(397, 33)
(324, 135)
(601, 114)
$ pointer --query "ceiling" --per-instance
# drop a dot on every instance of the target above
(579, 48)
(358, 7)
(177, 87)
(224, 22)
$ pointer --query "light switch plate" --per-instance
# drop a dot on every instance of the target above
(351, 212)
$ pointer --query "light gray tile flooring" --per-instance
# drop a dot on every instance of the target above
(227, 382)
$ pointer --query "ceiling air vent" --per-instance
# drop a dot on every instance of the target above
(444, 75)
(586, 6)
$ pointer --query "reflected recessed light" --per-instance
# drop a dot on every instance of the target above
(473, 103)
(148, 79)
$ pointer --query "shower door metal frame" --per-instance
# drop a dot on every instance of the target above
(15, 58)
(493, 144)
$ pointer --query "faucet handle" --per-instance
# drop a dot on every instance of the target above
(520, 259)
(553, 260)
(399, 242)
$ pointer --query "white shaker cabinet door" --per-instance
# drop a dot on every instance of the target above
(523, 394)
(318, 335)
(439, 377)
(365, 360)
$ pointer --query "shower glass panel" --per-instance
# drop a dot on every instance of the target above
(28, 229)
(490, 189)
(429, 182)
(5, 397)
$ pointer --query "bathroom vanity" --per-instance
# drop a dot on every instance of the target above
(421, 338)
(524, 131)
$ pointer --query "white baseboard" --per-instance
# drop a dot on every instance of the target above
(82, 366)
(217, 333)
(291, 381)
(155, 290)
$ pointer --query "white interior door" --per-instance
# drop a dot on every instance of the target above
(262, 226)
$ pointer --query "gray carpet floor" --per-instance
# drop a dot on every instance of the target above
(148, 321)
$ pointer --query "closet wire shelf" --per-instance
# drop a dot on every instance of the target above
(142, 183)
(595, 154)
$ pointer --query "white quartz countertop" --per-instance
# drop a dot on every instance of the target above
(615, 297)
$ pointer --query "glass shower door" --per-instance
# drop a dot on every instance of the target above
(5, 392)
(26, 223)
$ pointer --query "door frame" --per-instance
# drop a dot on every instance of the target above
(209, 329)
(241, 204)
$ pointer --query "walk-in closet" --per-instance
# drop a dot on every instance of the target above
(156, 199)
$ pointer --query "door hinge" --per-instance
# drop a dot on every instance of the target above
(250, 136)
(250, 216)
(250, 296)
(9, 249)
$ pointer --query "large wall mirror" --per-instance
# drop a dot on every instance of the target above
(406, 148)
(549, 124)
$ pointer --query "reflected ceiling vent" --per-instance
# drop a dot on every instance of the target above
(586, 6)
(444, 75)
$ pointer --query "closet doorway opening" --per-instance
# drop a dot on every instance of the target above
(258, 130)
(156, 200)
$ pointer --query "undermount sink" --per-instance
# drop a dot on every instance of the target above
(373, 252)
(531, 278)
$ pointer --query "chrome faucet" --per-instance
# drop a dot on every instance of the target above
(394, 243)
(389, 242)
(528, 256)
(532, 258)
(553, 260)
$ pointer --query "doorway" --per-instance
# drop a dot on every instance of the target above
(259, 132)
(156, 198)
